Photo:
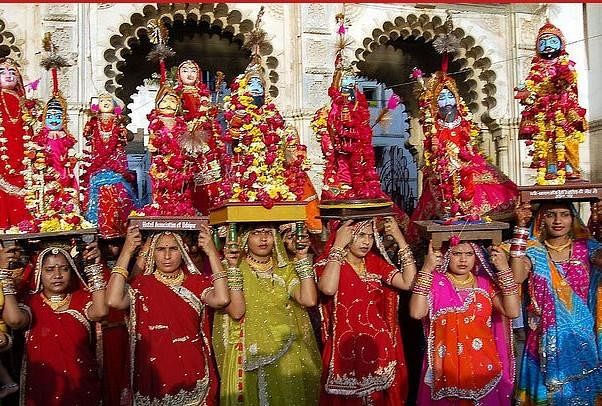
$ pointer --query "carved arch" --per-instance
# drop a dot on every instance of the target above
(8, 47)
(220, 19)
(478, 86)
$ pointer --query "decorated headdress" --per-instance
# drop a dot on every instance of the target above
(254, 41)
(549, 28)
(117, 104)
(53, 61)
(164, 91)
(10, 62)
(159, 35)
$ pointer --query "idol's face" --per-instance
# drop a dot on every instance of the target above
(8, 76)
(549, 45)
(168, 257)
(446, 101)
(348, 83)
(106, 105)
(189, 74)
(261, 241)
(462, 259)
(54, 119)
(56, 274)
(168, 105)
(255, 87)
(362, 242)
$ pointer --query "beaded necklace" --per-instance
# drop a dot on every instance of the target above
(56, 301)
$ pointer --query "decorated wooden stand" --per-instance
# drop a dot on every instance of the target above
(440, 233)
(577, 191)
(355, 209)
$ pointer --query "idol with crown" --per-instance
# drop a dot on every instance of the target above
(50, 159)
(458, 181)
(552, 121)
(15, 131)
(204, 139)
(107, 183)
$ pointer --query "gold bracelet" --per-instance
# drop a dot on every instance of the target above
(119, 270)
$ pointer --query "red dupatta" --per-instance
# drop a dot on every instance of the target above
(363, 352)
(171, 357)
(59, 364)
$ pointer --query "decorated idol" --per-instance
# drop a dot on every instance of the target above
(203, 141)
(109, 197)
(14, 132)
(552, 122)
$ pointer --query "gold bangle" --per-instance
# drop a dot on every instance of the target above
(119, 270)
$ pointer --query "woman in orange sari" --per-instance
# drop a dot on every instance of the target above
(469, 357)
(59, 364)
(363, 359)
(170, 356)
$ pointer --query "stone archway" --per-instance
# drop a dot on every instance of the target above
(8, 47)
(204, 20)
(476, 80)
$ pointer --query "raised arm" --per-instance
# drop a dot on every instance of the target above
(218, 296)
(14, 316)
(402, 280)
(307, 294)
(419, 306)
(509, 303)
(519, 263)
(329, 281)
(237, 308)
(117, 296)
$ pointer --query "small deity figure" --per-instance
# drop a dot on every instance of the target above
(107, 183)
(552, 121)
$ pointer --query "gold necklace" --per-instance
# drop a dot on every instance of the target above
(56, 302)
(13, 119)
(558, 248)
(468, 282)
(360, 268)
(261, 266)
(170, 279)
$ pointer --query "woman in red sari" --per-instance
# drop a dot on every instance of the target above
(363, 360)
(59, 364)
(170, 356)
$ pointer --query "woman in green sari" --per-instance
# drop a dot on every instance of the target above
(264, 344)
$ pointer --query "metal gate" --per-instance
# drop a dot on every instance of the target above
(396, 178)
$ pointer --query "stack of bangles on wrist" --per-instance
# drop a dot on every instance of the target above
(424, 281)
(7, 281)
(405, 257)
(218, 275)
(337, 255)
(304, 269)
(518, 244)
(119, 270)
(506, 282)
(93, 273)
(235, 281)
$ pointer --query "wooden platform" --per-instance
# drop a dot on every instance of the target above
(440, 233)
(246, 212)
(168, 223)
(577, 191)
(355, 209)
(39, 236)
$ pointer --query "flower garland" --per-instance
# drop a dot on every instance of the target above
(552, 118)
(257, 171)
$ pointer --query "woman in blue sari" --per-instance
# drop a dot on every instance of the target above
(562, 361)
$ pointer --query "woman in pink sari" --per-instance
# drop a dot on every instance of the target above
(171, 359)
(59, 364)
(469, 359)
